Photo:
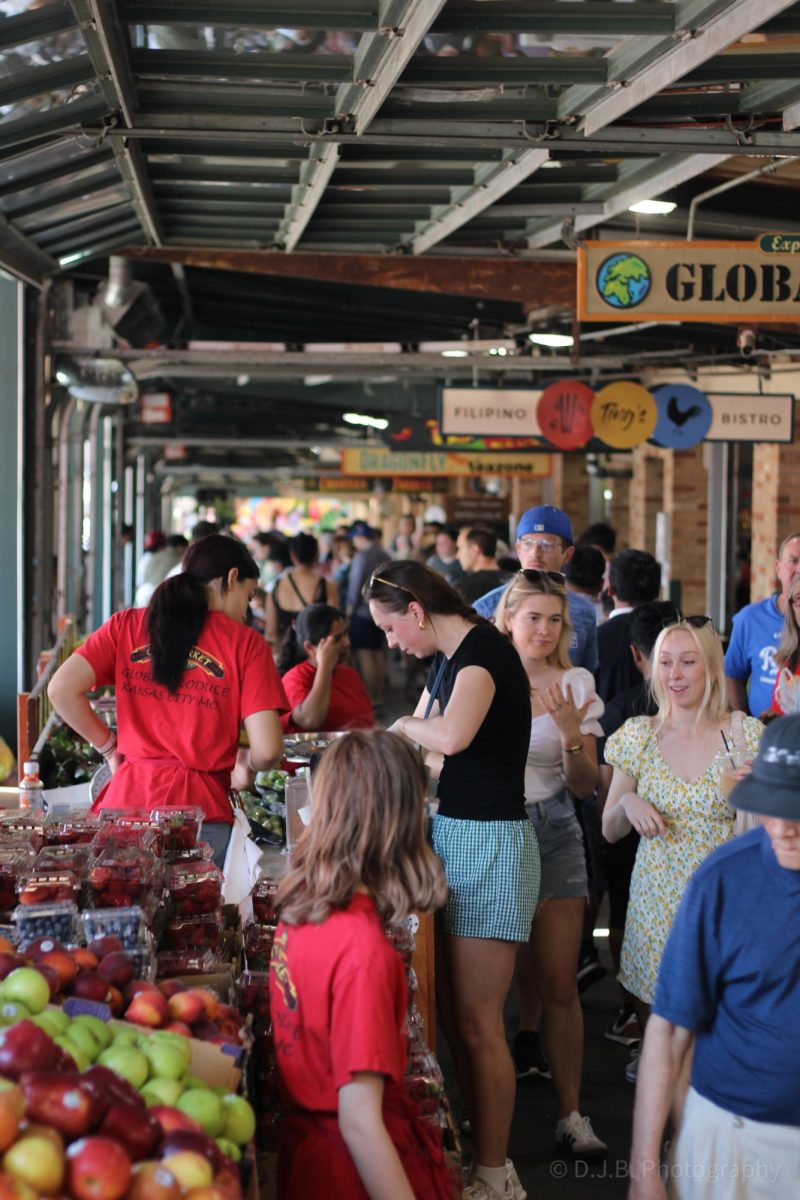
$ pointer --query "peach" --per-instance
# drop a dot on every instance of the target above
(187, 1007)
(63, 963)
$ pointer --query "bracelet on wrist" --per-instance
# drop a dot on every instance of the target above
(108, 746)
(573, 749)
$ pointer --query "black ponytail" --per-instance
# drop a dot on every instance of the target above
(311, 625)
(179, 606)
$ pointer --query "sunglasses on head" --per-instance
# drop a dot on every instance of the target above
(535, 576)
(696, 622)
(375, 578)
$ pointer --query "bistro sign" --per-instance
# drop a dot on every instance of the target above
(690, 281)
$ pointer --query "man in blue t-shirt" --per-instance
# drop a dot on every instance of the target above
(545, 543)
(757, 630)
(729, 990)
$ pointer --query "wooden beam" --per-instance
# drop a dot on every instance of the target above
(531, 283)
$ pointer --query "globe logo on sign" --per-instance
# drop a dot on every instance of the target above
(623, 280)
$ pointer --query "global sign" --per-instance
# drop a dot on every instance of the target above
(691, 281)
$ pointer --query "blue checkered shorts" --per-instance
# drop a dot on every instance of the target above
(492, 870)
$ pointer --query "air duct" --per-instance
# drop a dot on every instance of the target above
(130, 307)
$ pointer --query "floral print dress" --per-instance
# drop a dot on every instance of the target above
(698, 820)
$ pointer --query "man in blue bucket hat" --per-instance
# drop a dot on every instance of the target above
(728, 999)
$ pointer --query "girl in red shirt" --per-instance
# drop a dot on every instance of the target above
(323, 690)
(337, 987)
(187, 671)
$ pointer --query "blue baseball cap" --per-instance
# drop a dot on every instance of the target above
(544, 518)
(361, 529)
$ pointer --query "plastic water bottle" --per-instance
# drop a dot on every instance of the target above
(31, 790)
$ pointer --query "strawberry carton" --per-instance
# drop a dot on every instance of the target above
(123, 876)
(181, 827)
(45, 886)
(193, 888)
(69, 827)
(15, 862)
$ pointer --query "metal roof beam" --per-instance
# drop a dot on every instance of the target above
(62, 171)
(40, 80)
(473, 16)
(652, 180)
(85, 187)
(106, 47)
(642, 66)
(348, 15)
(35, 25)
(314, 177)
(30, 133)
(491, 182)
(273, 66)
(22, 257)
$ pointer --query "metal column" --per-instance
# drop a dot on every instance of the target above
(716, 457)
(12, 668)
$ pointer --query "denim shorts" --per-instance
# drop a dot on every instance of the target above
(560, 848)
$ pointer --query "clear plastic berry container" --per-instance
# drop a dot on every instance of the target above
(76, 857)
(15, 862)
(17, 824)
(130, 924)
(113, 835)
(45, 886)
(170, 963)
(252, 994)
(181, 826)
(263, 897)
(123, 876)
(56, 921)
(193, 935)
(202, 852)
(258, 941)
(193, 888)
(137, 823)
(69, 827)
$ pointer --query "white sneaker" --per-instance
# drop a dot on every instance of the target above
(517, 1190)
(479, 1189)
(576, 1133)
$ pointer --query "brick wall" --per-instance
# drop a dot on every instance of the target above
(765, 523)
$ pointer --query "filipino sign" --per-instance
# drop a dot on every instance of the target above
(741, 418)
(385, 462)
(499, 412)
(690, 281)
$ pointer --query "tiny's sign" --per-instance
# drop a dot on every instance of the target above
(691, 281)
(624, 415)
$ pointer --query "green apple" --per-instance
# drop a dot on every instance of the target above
(12, 1011)
(161, 1091)
(29, 987)
(45, 1021)
(221, 1090)
(98, 1028)
(128, 1062)
(175, 1041)
(166, 1062)
(125, 1037)
(230, 1148)
(204, 1107)
(240, 1120)
(82, 1060)
(59, 1016)
(82, 1036)
(194, 1081)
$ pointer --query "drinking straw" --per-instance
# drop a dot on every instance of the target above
(725, 740)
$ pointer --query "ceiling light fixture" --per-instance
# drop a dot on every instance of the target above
(556, 340)
(656, 208)
(455, 353)
(363, 419)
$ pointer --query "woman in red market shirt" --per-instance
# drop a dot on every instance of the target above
(187, 671)
(323, 691)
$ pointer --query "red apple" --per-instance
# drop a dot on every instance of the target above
(138, 985)
(172, 1119)
(200, 1143)
(51, 975)
(148, 1008)
(62, 962)
(98, 1169)
(102, 946)
(9, 962)
(41, 946)
(152, 1181)
(25, 1047)
(178, 1027)
(205, 1030)
(108, 1083)
(117, 968)
(59, 1101)
(231, 1031)
(89, 985)
(212, 1192)
(171, 987)
(84, 958)
(136, 1130)
(188, 1007)
(229, 1182)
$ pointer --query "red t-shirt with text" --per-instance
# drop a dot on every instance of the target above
(181, 747)
(349, 708)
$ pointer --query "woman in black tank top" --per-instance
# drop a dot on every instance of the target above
(298, 587)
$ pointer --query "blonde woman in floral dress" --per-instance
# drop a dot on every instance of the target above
(665, 786)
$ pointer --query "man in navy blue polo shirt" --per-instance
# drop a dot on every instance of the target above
(729, 989)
